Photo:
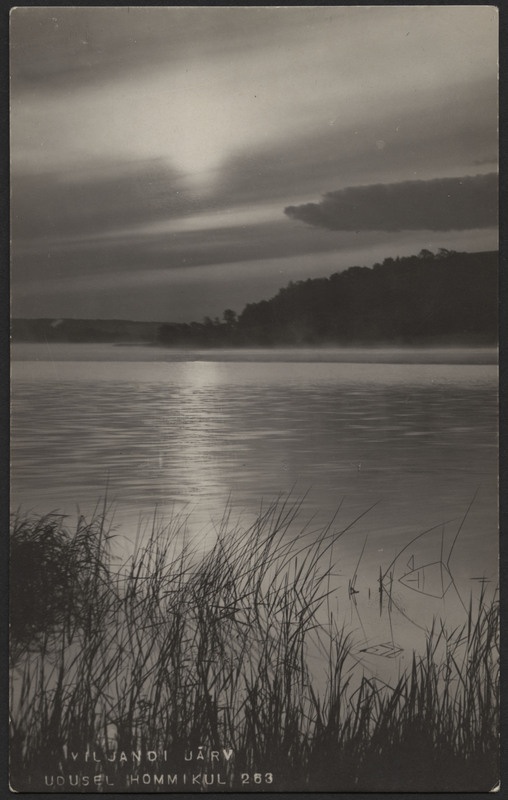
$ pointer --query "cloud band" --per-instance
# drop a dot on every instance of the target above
(442, 204)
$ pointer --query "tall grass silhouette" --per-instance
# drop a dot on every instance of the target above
(236, 648)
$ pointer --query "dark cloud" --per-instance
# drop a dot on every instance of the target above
(442, 204)
(167, 252)
(94, 198)
(58, 47)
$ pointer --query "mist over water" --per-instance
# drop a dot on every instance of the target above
(411, 436)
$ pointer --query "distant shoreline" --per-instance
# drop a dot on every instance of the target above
(131, 351)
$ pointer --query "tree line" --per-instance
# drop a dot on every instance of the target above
(430, 298)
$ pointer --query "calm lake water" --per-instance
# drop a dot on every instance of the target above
(412, 434)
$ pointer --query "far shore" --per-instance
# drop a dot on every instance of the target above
(149, 351)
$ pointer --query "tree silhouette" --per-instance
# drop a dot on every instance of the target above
(428, 298)
(229, 317)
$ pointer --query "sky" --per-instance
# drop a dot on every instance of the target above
(168, 163)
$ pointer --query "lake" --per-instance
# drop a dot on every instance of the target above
(403, 440)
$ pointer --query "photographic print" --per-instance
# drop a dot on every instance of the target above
(254, 418)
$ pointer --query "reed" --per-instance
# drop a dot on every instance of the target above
(173, 651)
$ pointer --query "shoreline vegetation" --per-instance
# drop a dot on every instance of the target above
(178, 664)
(442, 299)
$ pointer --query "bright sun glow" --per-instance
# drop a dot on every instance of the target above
(200, 110)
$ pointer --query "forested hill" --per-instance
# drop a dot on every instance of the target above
(443, 298)
(425, 297)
